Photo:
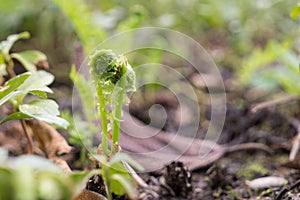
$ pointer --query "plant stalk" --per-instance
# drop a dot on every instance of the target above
(107, 182)
(102, 110)
(118, 115)
(28, 137)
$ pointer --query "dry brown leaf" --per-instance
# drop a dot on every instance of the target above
(149, 144)
(50, 142)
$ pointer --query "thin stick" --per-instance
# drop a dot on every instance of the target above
(296, 142)
(10, 71)
(249, 146)
(275, 102)
(134, 175)
(28, 137)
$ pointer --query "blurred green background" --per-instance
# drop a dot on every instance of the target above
(257, 41)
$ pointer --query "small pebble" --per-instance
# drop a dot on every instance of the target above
(266, 182)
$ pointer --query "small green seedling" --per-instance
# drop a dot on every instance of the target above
(113, 79)
(34, 82)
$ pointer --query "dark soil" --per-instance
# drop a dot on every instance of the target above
(227, 178)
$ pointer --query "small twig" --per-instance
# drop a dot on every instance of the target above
(249, 146)
(296, 142)
(275, 102)
(9, 69)
(167, 187)
(134, 175)
(295, 148)
(28, 137)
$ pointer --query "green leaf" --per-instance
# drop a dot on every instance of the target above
(37, 163)
(39, 93)
(295, 12)
(29, 66)
(125, 157)
(8, 90)
(126, 183)
(120, 179)
(80, 178)
(15, 116)
(33, 56)
(29, 59)
(6, 45)
(101, 158)
(37, 81)
(45, 110)
(8, 97)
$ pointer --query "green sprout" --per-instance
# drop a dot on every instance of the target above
(114, 78)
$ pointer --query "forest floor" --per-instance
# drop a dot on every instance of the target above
(240, 174)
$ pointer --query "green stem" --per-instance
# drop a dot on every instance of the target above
(105, 175)
(102, 110)
(118, 115)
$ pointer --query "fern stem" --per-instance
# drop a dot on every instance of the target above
(118, 114)
(102, 110)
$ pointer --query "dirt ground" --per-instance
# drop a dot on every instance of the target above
(239, 174)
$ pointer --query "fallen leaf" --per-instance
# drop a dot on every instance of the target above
(50, 142)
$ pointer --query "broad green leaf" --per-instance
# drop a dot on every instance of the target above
(8, 90)
(39, 164)
(29, 66)
(37, 81)
(33, 56)
(29, 59)
(126, 158)
(6, 45)
(45, 110)
(9, 96)
(101, 158)
(127, 185)
(117, 187)
(80, 178)
(24, 182)
(295, 12)
(39, 93)
(15, 116)
(51, 186)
